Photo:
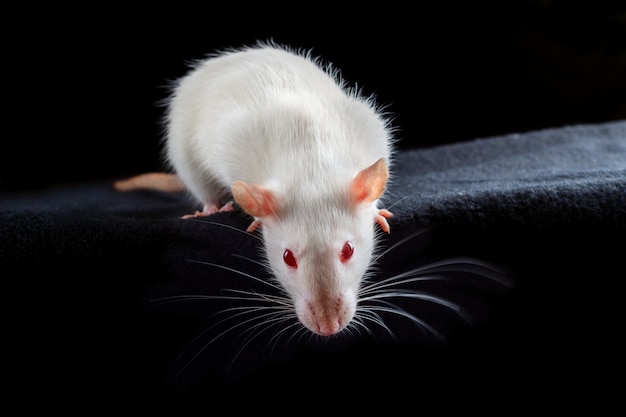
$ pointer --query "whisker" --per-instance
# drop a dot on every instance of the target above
(401, 200)
(475, 266)
(462, 264)
(299, 328)
(277, 303)
(366, 314)
(180, 298)
(245, 322)
(186, 297)
(237, 272)
(254, 261)
(397, 280)
(398, 243)
(301, 332)
(242, 311)
(277, 299)
(394, 309)
(202, 333)
(278, 318)
(279, 310)
(199, 220)
(421, 296)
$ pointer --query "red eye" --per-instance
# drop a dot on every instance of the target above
(290, 259)
(346, 252)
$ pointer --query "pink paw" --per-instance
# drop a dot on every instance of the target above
(209, 209)
(381, 219)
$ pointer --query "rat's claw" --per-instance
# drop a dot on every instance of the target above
(381, 219)
(227, 207)
(207, 210)
(385, 213)
(253, 226)
(196, 214)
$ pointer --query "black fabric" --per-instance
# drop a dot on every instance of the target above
(529, 229)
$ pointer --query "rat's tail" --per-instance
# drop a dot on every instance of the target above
(160, 181)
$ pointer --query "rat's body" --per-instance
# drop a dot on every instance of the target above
(299, 152)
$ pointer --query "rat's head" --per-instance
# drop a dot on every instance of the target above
(319, 243)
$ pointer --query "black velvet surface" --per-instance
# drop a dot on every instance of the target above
(88, 272)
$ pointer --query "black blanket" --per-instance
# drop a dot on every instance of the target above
(518, 239)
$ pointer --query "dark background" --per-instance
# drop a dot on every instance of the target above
(83, 85)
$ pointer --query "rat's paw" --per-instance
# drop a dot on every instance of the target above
(198, 214)
(209, 209)
(381, 218)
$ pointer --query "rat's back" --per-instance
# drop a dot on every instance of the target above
(263, 113)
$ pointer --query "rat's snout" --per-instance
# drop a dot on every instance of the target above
(327, 316)
(329, 327)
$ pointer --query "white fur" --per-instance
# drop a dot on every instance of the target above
(276, 117)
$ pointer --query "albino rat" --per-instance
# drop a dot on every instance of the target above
(305, 156)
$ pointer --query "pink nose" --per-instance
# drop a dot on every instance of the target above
(326, 317)
(328, 327)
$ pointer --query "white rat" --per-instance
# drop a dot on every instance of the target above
(307, 157)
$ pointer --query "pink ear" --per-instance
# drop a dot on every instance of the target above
(255, 200)
(369, 184)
